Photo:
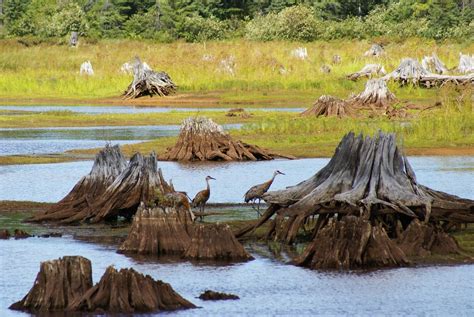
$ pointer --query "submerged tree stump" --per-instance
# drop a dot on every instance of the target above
(127, 291)
(159, 231)
(147, 82)
(212, 295)
(108, 164)
(201, 139)
(215, 242)
(57, 285)
(368, 70)
(329, 106)
(368, 178)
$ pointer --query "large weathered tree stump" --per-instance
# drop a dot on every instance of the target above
(159, 231)
(147, 82)
(351, 243)
(433, 64)
(127, 291)
(201, 139)
(329, 106)
(215, 242)
(368, 178)
(376, 97)
(57, 285)
(108, 164)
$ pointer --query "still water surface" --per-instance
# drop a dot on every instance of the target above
(51, 182)
(266, 287)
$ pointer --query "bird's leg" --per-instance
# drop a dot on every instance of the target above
(258, 208)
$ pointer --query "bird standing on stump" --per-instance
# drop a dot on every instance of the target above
(202, 197)
(256, 192)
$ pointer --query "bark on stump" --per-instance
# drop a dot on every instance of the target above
(349, 244)
(159, 231)
(127, 291)
(215, 242)
(147, 82)
(108, 164)
(201, 139)
(212, 295)
(329, 106)
(57, 285)
(369, 178)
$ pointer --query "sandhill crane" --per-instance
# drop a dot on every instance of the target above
(256, 192)
(202, 197)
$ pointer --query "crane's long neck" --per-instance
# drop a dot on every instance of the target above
(273, 178)
(208, 187)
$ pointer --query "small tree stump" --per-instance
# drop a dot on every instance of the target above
(215, 242)
(108, 164)
(433, 64)
(86, 69)
(466, 63)
(74, 39)
(147, 82)
(127, 291)
(201, 139)
(159, 231)
(57, 285)
(368, 71)
(376, 96)
(329, 106)
(375, 50)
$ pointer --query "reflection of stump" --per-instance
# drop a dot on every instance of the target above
(108, 164)
(369, 178)
(127, 291)
(201, 139)
(215, 242)
(147, 82)
(58, 284)
(421, 239)
(159, 231)
(351, 243)
(329, 106)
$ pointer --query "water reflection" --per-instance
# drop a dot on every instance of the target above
(51, 182)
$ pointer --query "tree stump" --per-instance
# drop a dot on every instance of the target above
(466, 63)
(74, 39)
(147, 82)
(368, 71)
(375, 50)
(212, 295)
(368, 178)
(215, 242)
(351, 243)
(421, 239)
(433, 64)
(376, 97)
(57, 285)
(201, 139)
(139, 182)
(329, 106)
(86, 69)
(159, 231)
(108, 164)
(127, 291)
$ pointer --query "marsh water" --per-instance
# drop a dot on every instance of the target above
(51, 182)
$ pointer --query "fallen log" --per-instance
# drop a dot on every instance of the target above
(108, 164)
(368, 71)
(147, 82)
(215, 242)
(57, 285)
(127, 291)
(159, 231)
(201, 139)
(369, 178)
(329, 106)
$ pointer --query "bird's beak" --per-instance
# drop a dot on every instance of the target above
(281, 173)
(212, 178)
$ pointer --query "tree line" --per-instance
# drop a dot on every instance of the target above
(204, 20)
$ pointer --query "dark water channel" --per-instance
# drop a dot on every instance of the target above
(266, 287)
(51, 182)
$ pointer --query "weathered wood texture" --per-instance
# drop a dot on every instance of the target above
(215, 242)
(369, 71)
(375, 50)
(329, 106)
(159, 231)
(433, 64)
(108, 164)
(376, 97)
(128, 291)
(411, 72)
(57, 285)
(147, 82)
(201, 139)
(466, 63)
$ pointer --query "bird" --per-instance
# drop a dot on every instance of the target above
(256, 192)
(202, 197)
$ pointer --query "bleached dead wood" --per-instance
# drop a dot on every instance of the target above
(86, 69)
(300, 53)
(466, 63)
(368, 70)
(376, 96)
(433, 64)
(375, 50)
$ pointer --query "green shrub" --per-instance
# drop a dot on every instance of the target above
(199, 29)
